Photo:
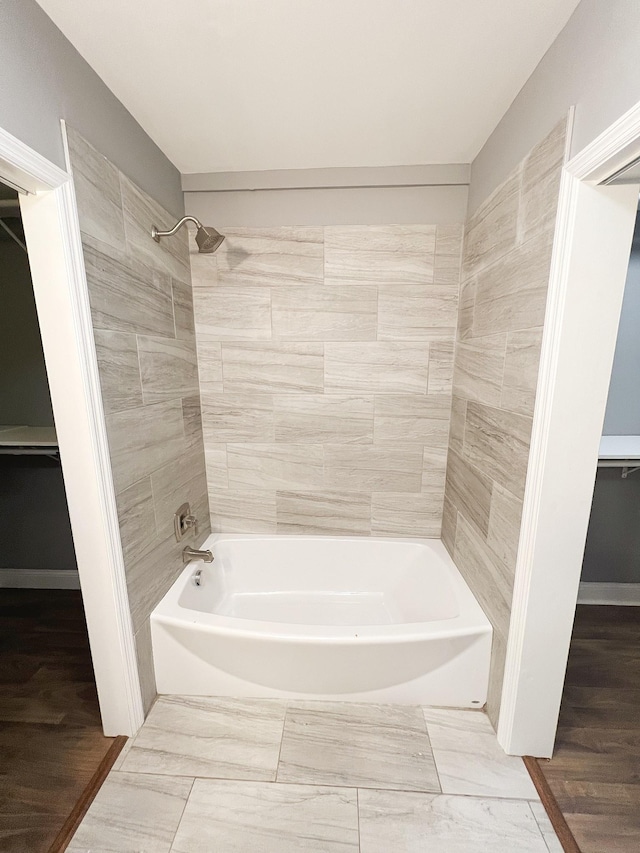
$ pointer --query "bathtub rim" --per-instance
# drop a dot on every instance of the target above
(470, 621)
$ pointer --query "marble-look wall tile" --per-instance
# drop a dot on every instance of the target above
(521, 371)
(142, 311)
(144, 654)
(411, 312)
(142, 440)
(126, 296)
(324, 314)
(171, 254)
(233, 313)
(441, 363)
(375, 469)
(290, 367)
(403, 514)
(324, 513)
(449, 520)
(275, 466)
(181, 480)
(215, 457)
(497, 443)
(489, 578)
(119, 370)
(386, 254)
(209, 357)
(412, 419)
(492, 230)
(270, 256)
(183, 309)
(382, 367)
(541, 182)
(507, 258)
(136, 517)
(469, 490)
(323, 418)
(243, 511)
(512, 293)
(504, 525)
(237, 417)
(168, 368)
(479, 369)
(301, 383)
(448, 255)
(96, 183)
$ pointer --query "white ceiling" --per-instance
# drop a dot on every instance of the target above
(232, 85)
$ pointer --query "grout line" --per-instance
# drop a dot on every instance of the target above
(284, 718)
(184, 808)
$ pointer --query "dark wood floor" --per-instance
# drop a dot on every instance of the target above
(51, 740)
(595, 770)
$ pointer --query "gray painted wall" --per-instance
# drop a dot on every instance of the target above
(623, 405)
(44, 79)
(441, 205)
(594, 64)
(612, 552)
(24, 390)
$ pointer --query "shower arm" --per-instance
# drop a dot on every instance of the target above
(158, 234)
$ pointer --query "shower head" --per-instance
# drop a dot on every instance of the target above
(208, 239)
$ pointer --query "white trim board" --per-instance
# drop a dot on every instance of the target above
(39, 579)
(52, 232)
(627, 594)
(594, 228)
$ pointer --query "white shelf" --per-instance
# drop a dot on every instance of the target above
(28, 436)
(618, 450)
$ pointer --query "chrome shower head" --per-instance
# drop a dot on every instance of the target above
(208, 239)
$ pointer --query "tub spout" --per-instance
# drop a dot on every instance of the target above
(189, 554)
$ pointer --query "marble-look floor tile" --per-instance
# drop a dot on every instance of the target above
(199, 736)
(546, 828)
(238, 817)
(133, 812)
(357, 745)
(405, 822)
(470, 760)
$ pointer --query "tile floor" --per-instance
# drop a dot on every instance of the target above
(235, 775)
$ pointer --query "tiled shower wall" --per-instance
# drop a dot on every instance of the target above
(505, 274)
(325, 358)
(142, 311)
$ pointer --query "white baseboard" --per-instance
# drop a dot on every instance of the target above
(609, 593)
(39, 578)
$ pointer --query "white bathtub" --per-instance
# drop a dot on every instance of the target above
(353, 619)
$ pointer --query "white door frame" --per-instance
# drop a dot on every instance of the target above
(50, 219)
(594, 229)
